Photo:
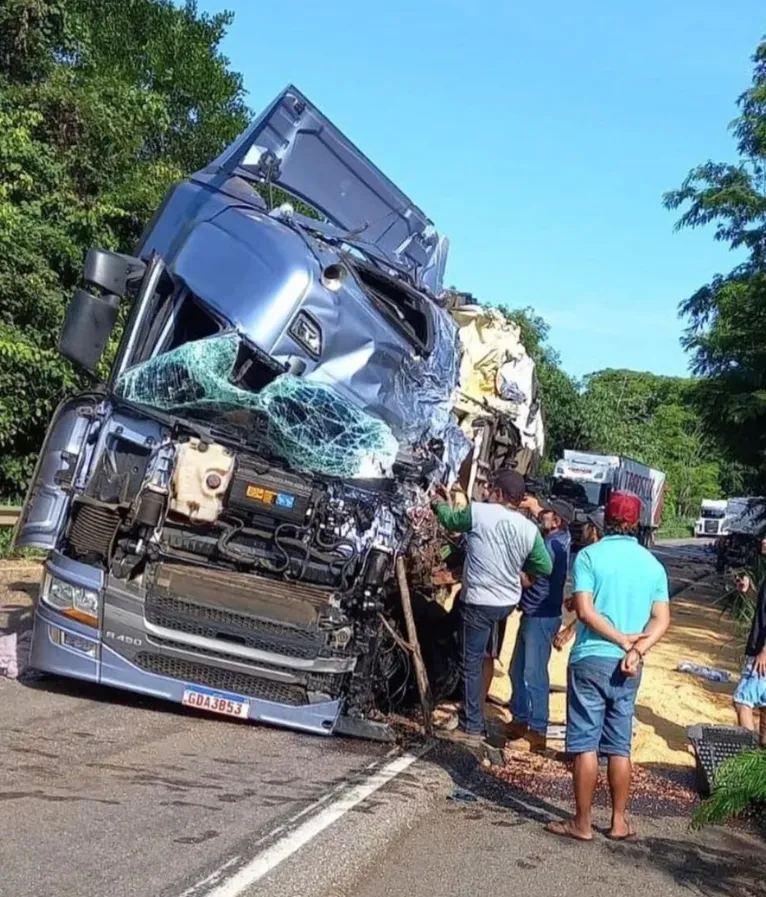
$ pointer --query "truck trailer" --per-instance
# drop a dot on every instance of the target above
(587, 480)
(744, 525)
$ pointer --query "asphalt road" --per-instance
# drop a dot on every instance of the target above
(104, 793)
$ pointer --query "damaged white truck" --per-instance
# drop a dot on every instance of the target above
(222, 516)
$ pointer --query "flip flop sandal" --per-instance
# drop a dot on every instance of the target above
(563, 830)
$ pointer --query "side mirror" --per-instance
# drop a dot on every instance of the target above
(88, 324)
(90, 318)
(111, 271)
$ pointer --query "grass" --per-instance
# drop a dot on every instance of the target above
(676, 528)
(7, 553)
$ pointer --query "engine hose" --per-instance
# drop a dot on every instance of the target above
(242, 557)
(320, 555)
(295, 543)
(328, 546)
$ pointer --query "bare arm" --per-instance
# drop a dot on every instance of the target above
(656, 628)
(653, 632)
(564, 635)
(590, 617)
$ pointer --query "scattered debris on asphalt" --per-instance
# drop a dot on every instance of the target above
(655, 792)
(463, 796)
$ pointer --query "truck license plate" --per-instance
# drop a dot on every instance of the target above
(216, 701)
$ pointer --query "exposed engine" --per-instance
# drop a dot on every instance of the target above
(237, 550)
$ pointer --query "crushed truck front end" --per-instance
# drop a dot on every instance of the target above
(222, 517)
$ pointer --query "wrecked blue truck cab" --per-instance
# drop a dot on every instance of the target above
(223, 514)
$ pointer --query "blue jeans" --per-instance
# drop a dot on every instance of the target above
(600, 706)
(530, 682)
(480, 628)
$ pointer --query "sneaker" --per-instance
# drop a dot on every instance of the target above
(530, 743)
(473, 740)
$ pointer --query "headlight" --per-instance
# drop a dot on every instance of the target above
(72, 601)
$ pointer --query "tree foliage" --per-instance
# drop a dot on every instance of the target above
(654, 420)
(727, 317)
(103, 105)
(650, 418)
(740, 786)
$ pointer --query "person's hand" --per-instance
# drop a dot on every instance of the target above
(628, 641)
(531, 504)
(526, 580)
(631, 663)
(569, 604)
(759, 667)
(563, 637)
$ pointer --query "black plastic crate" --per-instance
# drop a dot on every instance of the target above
(713, 745)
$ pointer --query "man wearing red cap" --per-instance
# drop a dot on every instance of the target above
(621, 599)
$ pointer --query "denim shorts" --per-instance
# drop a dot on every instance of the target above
(751, 690)
(600, 706)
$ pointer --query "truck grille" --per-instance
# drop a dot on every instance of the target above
(221, 679)
(710, 526)
(241, 629)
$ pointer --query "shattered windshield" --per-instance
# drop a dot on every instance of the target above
(307, 424)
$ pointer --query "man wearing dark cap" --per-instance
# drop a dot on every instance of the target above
(592, 532)
(621, 600)
(593, 529)
(541, 608)
(501, 544)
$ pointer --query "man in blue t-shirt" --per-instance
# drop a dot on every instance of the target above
(621, 600)
(541, 607)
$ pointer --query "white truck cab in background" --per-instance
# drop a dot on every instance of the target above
(713, 518)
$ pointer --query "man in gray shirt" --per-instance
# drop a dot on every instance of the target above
(501, 544)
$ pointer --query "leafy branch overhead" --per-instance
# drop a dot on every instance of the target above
(103, 106)
(726, 335)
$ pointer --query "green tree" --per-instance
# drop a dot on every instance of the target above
(656, 421)
(727, 317)
(103, 105)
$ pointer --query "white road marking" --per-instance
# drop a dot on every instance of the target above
(296, 838)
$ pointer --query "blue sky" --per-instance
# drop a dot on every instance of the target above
(538, 136)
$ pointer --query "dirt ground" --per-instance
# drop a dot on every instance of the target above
(18, 587)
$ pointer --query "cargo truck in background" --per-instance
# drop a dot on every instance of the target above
(222, 516)
(712, 521)
(743, 526)
(587, 480)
